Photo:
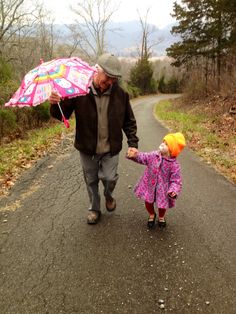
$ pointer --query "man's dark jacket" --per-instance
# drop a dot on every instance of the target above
(120, 117)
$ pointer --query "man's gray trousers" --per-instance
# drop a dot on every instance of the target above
(99, 167)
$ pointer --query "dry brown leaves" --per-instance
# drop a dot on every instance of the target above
(221, 121)
(9, 179)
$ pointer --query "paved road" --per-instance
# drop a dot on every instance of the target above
(53, 262)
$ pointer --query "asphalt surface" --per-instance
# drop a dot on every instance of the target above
(51, 261)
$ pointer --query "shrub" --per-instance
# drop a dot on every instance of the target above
(169, 86)
(5, 70)
(42, 113)
(162, 85)
(133, 91)
(7, 122)
(7, 89)
(172, 85)
(153, 86)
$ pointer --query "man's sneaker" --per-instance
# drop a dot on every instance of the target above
(110, 204)
(93, 217)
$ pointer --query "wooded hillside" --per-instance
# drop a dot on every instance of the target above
(204, 58)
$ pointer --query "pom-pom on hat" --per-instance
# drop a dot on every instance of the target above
(175, 142)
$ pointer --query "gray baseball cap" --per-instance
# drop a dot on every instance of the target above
(110, 65)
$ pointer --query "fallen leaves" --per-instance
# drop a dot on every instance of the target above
(18, 156)
(219, 149)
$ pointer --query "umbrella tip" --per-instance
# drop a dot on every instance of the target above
(41, 60)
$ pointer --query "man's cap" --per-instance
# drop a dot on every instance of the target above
(175, 142)
(110, 65)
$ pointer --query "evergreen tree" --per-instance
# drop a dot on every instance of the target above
(230, 9)
(141, 76)
(189, 16)
(207, 29)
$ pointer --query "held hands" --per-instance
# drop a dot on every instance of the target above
(54, 98)
(132, 152)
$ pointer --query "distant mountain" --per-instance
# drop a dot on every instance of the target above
(123, 38)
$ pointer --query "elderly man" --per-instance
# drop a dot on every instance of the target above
(101, 116)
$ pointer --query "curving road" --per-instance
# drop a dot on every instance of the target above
(51, 261)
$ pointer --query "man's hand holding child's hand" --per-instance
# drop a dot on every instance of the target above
(132, 152)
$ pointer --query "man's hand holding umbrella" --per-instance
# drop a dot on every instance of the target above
(69, 77)
(54, 98)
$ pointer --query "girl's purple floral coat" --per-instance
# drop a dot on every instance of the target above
(161, 176)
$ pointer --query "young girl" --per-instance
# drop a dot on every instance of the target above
(161, 182)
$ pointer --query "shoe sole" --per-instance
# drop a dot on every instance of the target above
(162, 224)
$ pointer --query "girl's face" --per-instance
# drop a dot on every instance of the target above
(164, 150)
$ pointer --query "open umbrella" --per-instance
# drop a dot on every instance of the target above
(69, 77)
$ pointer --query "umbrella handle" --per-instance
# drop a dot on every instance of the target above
(65, 121)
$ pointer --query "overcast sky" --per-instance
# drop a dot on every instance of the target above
(159, 10)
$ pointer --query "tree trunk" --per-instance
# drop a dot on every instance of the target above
(206, 77)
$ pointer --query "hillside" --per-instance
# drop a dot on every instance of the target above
(123, 38)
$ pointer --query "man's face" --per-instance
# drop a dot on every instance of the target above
(102, 81)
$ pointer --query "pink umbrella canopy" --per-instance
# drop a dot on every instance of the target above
(69, 77)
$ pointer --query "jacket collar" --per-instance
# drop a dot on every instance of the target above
(165, 157)
(95, 91)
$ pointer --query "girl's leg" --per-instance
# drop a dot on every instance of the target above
(162, 212)
(152, 215)
(150, 208)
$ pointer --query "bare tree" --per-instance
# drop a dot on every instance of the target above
(91, 25)
(73, 42)
(45, 33)
(28, 35)
(13, 13)
(147, 44)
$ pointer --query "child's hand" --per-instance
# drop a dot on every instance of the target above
(172, 195)
(132, 152)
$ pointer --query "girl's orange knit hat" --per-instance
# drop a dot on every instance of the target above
(175, 143)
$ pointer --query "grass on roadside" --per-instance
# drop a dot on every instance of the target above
(20, 153)
(176, 119)
(208, 145)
